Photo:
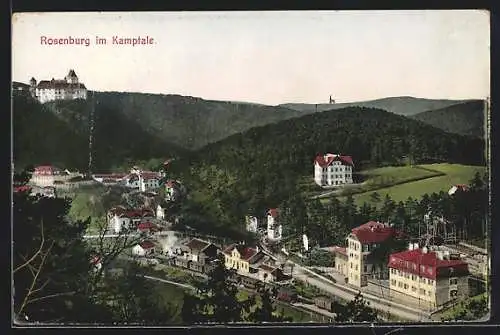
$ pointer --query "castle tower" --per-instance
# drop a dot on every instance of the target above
(71, 78)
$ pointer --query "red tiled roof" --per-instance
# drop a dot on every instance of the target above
(273, 212)
(138, 213)
(411, 261)
(245, 252)
(324, 162)
(145, 226)
(197, 245)
(147, 245)
(46, 170)
(373, 232)
(24, 188)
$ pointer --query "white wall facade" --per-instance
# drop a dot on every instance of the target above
(337, 173)
(160, 213)
(120, 223)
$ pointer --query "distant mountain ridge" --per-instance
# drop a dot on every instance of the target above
(467, 118)
(404, 105)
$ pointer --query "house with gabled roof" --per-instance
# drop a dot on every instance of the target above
(241, 257)
(144, 249)
(201, 251)
(333, 170)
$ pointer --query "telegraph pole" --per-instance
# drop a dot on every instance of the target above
(91, 132)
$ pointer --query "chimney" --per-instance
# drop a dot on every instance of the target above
(425, 250)
(410, 246)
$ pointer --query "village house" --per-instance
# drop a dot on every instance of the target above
(357, 261)
(274, 227)
(144, 249)
(201, 251)
(429, 274)
(241, 258)
(333, 170)
(251, 223)
(120, 218)
(68, 88)
(142, 180)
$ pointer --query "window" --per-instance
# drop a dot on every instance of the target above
(413, 289)
(453, 294)
(393, 282)
(351, 265)
(405, 286)
(413, 277)
(365, 268)
(356, 267)
(453, 281)
(400, 284)
(422, 291)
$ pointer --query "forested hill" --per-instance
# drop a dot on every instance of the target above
(466, 118)
(397, 105)
(58, 133)
(266, 162)
(192, 122)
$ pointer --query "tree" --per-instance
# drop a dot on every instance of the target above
(266, 312)
(216, 299)
(357, 310)
(50, 260)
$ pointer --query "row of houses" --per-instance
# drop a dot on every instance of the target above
(198, 255)
(429, 273)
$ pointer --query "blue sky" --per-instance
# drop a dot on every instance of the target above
(266, 57)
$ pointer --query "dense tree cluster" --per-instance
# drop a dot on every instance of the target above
(58, 133)
(55, 279)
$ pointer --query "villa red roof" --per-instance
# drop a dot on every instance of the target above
(373, 232)
(147, 245)
(326, 161)
(427, 264)
(138, 213)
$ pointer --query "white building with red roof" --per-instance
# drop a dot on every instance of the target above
(68, 88)
(333, 170)
(274, 227)
(429, 274)
(144, 249)
(358, 259)
(241, 258)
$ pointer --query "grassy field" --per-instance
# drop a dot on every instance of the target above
(403, 182)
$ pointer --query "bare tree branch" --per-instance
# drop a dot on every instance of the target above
(42, 242)
(52, 296)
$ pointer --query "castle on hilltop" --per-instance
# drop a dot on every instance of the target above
(68, 88)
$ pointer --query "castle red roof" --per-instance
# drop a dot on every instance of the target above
(373, 232)
(427, 265)
(330, 158)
